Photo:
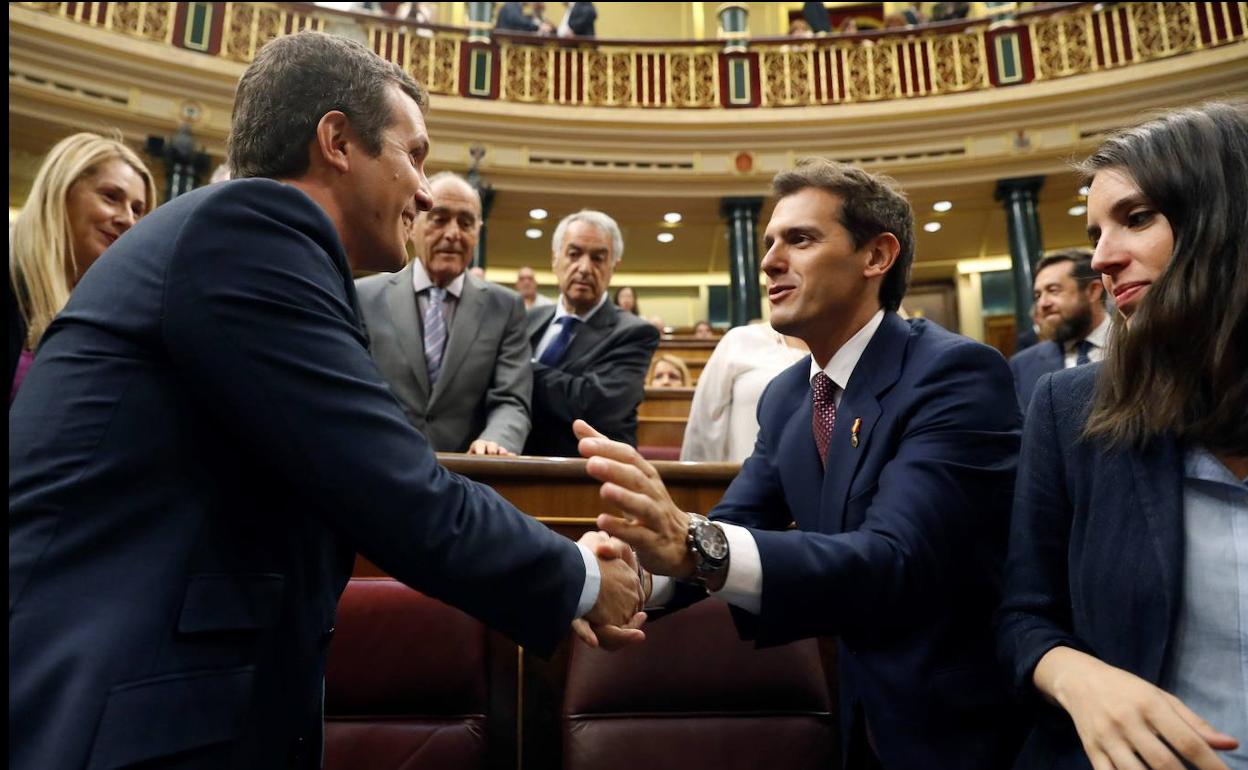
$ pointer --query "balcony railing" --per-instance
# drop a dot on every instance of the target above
(939, 59)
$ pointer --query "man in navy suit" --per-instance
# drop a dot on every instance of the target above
(203, 444)
(1070, 302)
(892, 449)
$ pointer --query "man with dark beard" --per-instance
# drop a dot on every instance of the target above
(1070, 307)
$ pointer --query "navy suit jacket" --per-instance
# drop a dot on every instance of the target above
(601, 379)
(899, 543)
(1032, 363)
(1096, 555)
(194, 459)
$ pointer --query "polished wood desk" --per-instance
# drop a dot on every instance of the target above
(558, 492)
(693, 351)
(666, 402)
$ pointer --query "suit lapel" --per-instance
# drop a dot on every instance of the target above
(401, 302)
(468, 314)
(538, 319)
(1054, 358)
(591, 333)
(1158, 474)
(877, 370)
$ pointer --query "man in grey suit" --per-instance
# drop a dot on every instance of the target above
(451, 346)
(589, 359)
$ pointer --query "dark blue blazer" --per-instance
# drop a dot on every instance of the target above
(601, 379)
(899, 545)
(194, 459)
(1096, 555)
(1032, 363)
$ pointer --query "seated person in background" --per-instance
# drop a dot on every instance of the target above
(590, 359)
(626, 300)
(526, 286)
(722, 420)
(451, 345)
(88, 192)
(667, 371)
(1070, 302)
(800, 28)
(1123, 620)
(703, 330)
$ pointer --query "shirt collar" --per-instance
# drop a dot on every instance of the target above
(1199, 464)
(1099, 337)
(421, 280)
(561, 310)
(844, 360)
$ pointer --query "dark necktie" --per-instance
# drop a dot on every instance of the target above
(1082, 347)
(435, 331)
(823, 417)
(559, 345)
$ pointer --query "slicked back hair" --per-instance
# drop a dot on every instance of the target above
(871, 204)
(292, 83)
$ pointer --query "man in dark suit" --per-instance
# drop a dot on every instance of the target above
(204, 444)
(578, 20)
(452, 346)
(893, 450)
(590, 359)
(1070, 304)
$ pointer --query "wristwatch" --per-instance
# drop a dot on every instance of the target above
(709, 546)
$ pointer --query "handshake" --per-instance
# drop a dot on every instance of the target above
(648, 537)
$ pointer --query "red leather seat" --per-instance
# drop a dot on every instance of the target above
(693, 695)
(406, 683)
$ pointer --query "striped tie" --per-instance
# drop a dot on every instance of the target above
(435, 331)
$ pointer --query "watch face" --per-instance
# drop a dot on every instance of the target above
(711, 541)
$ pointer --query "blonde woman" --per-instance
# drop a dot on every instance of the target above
(89, 191)
(668, 371)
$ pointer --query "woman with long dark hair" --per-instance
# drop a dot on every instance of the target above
(1126, 601)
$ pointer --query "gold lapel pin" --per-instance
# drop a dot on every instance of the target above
(853, 432)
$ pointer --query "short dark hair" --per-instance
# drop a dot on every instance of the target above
(1080, 265)
(871, 204)
(1179, 369)
(292, 83)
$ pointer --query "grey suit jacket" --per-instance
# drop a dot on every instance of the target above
(486, 384)
(601, 379)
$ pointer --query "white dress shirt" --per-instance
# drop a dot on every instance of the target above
(552, 330)
(1099, 337)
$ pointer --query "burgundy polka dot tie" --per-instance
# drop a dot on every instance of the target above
(824, 414)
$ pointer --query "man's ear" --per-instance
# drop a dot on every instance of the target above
(1096, 291)
(333, 136)
(882, 251)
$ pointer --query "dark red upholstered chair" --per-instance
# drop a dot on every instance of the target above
(694, 696)
(651, 452)
(406, 683)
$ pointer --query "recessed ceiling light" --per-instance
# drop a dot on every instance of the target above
(538, 213)
(1084, 190)
(672, 217)
(533, 232)
(666, 237)
(931, 227)
(942, 206)
(1077, 211)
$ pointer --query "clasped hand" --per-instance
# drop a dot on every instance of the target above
(649, 522)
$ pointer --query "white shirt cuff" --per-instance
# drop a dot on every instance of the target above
(593, 579)
(743, 586)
